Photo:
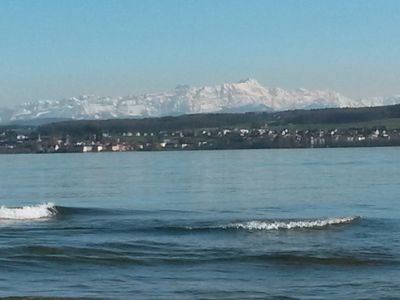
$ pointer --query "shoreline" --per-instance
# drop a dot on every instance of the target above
(198, 150)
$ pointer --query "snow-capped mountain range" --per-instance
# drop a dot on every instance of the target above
(243, 96)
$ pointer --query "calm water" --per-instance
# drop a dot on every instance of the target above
(279, 224)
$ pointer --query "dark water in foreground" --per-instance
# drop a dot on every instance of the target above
(278, 224)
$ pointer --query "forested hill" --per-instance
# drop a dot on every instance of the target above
(333, 116)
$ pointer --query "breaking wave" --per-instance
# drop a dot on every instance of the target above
(48, 210)
(277, 224)
(290, 224)
(31, 212)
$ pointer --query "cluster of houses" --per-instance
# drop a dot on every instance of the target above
(30, 141)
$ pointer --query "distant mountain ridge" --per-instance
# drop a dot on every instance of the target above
(243, 96)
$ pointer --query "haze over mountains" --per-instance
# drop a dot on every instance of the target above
(243, 96)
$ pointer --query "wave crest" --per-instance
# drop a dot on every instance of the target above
(299, 224)
(31, 212)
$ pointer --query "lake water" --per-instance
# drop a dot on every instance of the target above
(268, 224)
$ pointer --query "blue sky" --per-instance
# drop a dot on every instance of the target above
(62, 48)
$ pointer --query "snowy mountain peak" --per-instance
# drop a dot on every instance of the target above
(249, 81)
(245, 95)
(182, 87)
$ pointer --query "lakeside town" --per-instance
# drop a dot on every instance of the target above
(31, 140)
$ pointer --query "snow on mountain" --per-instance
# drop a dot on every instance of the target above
(245, 95)
(379, 101)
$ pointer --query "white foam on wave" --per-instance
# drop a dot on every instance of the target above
(276, 225)
(31, 212)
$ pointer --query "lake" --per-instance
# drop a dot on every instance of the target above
(267, 224)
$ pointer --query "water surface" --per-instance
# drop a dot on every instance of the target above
(301, 224)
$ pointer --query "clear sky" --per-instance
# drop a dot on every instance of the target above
(61, 48)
